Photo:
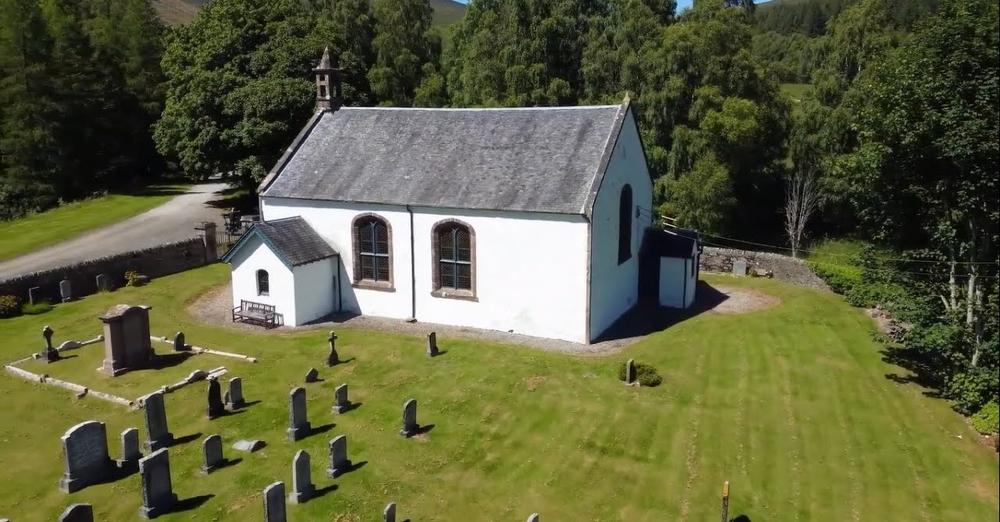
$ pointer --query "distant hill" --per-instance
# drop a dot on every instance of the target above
(810, 16)
(175, 12)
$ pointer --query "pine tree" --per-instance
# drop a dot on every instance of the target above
(403, 44)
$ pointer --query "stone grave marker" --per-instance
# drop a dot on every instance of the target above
(340, 401)
(432, 344)
(49, 354)
(215, 406)
(180, 343)
(410, 426)
(274, 503)
(130, 450)
(339, 463)
(65, 290)
(85, 453)
(312, 375)
(157, 490)
(533, 518)
(77, 513)
(302, 486)
(211, 449)
(126, 339)
(298, 420)
(248, 446)
(740, 267)
(158, 436)
(234, 395)
(630, 374)
(102, 282)
(389, 513)
(33, 294)
(333, 358)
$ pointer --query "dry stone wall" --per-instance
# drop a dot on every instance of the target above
(782, 267)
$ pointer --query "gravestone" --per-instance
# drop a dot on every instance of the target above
(389, 513)
(340, 401)
(333, 358)
(65, 290)
(33, 294)
(158, 436)
(339, 463)
(215, 406)
(180, 343)
(410, 426)
(49, 354)
(298, 420)
(77, 513)
(157, 490)
(302, 486)
(533, 517)
(211, 449)
(740, 267)
(312, 375)
(130, 450)
(274, 503)
(432, 344)
(630, 374)
(85, 452)
(102, 282)
(248, 446)
(234, 396)
(126, 339)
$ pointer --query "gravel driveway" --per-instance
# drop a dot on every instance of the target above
(172, 221)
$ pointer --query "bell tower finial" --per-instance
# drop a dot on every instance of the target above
(328, 89)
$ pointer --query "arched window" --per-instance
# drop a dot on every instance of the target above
(625, 225)
(454, 259)
(263, 284)
(372, 251)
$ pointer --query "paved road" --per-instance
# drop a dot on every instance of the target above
(172, 221)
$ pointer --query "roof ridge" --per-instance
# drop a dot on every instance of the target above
(473, 109)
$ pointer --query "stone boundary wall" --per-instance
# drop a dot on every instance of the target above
(153, 262)
(784, 268)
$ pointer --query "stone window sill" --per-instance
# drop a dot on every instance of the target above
(451, 293)
(378, 286)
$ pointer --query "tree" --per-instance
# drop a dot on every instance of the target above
(801, 201)
(348, 27)
(403, 44)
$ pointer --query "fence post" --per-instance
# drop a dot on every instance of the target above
(725, 502)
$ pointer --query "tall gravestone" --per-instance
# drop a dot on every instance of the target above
(302, 486)
(157, 433)
(77, 513)
(410, 426)
(312, 375)
(48, 354)
(85, 452)
(332, 358)
(66, 290)
(339, 463)
(630, 374)
(389, 513)
(432, 344)
(33, 294)
(298, 420)
(126, 339)
(102, 283)
(234, 395)
(130, 450)
(340, 401)
(274, 503)
(215, 406)
(157, 489)
(211, 450)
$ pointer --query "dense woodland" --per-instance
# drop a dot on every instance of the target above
(895, 141)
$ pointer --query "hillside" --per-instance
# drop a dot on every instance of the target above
(175, 12)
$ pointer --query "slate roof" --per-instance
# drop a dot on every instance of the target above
(291, 239)
(528, 159)
(678, 243)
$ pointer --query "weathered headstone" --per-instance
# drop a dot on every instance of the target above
(740, 267)
(340, 401)
(302, 486)
(234, 396)
(298, 420)
(180, 343)
(211, 449)
(339, 463)
(432, 344)
(102, 282)
(126, 339)
(33, 294)
(130, 450)
(312, 375)
(66, 290)
(274, 503)
(85, 452)
(248, 446)
(157, 489)
(389, 513)
(77, 513)
(215, 406)
(333, 358)
(725, 502)
(410, 426)
(533, 518)
(158, 436)
(630, 374)
(49, 354)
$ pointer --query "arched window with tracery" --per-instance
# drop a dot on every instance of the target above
(372, 251)
(454, 259)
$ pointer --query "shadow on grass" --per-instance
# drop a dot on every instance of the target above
(168, 360)
(317, 430)
(351, 407)
(324, 490)
(920, 369)
(228, 463)
(423, 430)
(185, 439)
(156, 190)
(191, 503)
(645, 318)
(741, 518)
(242, 199)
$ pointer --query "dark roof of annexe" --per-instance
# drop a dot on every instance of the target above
(291, 239)
(524, 159)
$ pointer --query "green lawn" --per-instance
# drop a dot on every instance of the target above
(36, 231)
(791, 404)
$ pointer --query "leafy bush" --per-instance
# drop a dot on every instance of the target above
(971, 390)
(987, 420)
(38, 308)
(9, 306)
(645, 374)
(133, 278)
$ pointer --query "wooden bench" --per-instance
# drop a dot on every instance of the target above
(255, 313)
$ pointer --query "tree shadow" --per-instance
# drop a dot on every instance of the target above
(236, 197)
(921, 370)
(185, 439)
(191, 503)
(157, 190)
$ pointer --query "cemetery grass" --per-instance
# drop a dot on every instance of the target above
(30, 233)
(791, 404)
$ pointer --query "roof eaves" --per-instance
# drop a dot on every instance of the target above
(609, 148)
(254, 231)
(290, 151)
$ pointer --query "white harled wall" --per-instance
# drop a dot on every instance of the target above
(255, 256)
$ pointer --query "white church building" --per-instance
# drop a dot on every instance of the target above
(526, 220)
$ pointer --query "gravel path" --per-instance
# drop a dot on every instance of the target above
(172, 221)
